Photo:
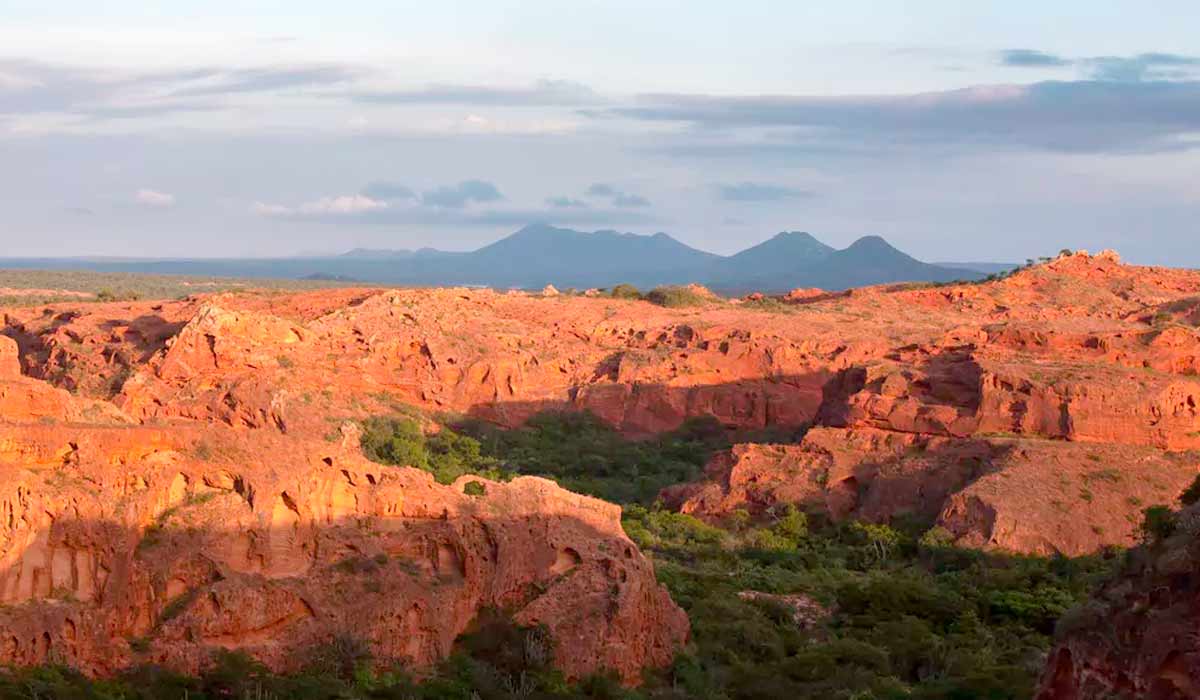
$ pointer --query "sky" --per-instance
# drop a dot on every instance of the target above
(958, 131)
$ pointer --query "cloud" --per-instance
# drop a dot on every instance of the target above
(432, 216)
(35, 87)
(388, 191)
(249, 80)
(543, 92)
(618, 198)
(1124, 69)
(630, 201)
(1142, 67)
(386, 203)
(341, 205)
(760, 192)
(264, 209)
(1079, 116)
(565, 203)
(462, 194)
(380, 196)
(154, 198)
(1030, 58)
(344, 204)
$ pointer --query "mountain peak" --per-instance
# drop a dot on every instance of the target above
(786, 244)
(874, 245)
(794, 236)
(871, 242)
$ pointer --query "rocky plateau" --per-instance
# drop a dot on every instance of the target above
(182, 476)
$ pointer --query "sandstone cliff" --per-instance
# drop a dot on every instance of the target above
(1136, 638)
(121, 545)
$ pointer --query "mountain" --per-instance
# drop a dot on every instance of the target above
(791, 260)
(987, 268)
(872, 260)
(376, 253)
(393, 254)
(780, 257)
(550, 255)
(540, 254)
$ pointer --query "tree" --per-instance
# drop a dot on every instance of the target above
(1158, 524)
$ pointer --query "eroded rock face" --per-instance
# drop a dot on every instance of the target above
(1136, 637)
(191, 540)
(10, 358)
(1034, 496)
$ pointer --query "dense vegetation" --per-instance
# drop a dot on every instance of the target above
(790, 606)
(577, 450)
(907, 616)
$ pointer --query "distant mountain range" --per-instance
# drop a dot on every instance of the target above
(539, 254)
(988, 268)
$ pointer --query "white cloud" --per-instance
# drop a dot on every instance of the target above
(263, 209)
(343, 205)
(154, 198)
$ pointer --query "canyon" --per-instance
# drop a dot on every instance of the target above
(178, 476)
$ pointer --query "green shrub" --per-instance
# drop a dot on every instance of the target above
(675, 297)
(1158, 524)
(625, 291)
(446, 454)
(1192, 494)
(397, 441)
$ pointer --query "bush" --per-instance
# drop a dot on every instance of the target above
(1192, 494)
(445, 454)
(398, 441)
(625, 291)
(675, 297)
(937, 537)
(107, 294)
(1158, 524)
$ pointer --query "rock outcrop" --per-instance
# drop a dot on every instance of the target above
(1034, 496)
(10, 358)
(1136, 637)
(159, 545)
(1044, 419)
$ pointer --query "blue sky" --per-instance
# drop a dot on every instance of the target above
(957, 130)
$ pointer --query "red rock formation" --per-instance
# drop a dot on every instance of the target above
(10, 359)
(1136, 637)
(192, 539)
(804, 294)
(1034, 496)
(1082, 349)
